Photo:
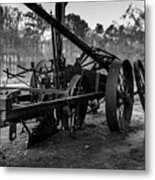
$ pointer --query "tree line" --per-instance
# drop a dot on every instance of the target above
(27, 34)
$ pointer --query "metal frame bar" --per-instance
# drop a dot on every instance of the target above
(37, 109)
(36, 90)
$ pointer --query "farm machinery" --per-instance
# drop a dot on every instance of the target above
(58, 94)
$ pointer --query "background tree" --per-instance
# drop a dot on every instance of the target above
(77, 25)
(34, 28)
(99, 28)
(80, 28)
(127, 39)
(10, 19)
(26, 32)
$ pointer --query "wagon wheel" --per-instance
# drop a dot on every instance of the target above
(80, 109)
(42, 77)
(140, 81)
(119, 95)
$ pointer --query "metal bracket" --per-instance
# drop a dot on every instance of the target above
(13, 131)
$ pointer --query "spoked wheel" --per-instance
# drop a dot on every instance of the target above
(119, 95)
(77, 111)
(42, 77)
(140, 81)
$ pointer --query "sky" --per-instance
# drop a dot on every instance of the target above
(103, 12)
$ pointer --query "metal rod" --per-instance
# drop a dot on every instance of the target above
(23, 68)
(27, 129)
(38, 109)
(84, 59)
(36, 90)
(14, 76)
(87, 64)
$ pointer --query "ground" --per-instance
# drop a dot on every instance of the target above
(94, 146)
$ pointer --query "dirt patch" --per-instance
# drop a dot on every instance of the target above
(94, 147)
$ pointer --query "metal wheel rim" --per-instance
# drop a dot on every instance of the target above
(81, 108)
(119, 102)
(47, 122)
(36, 83)
(140, 81)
